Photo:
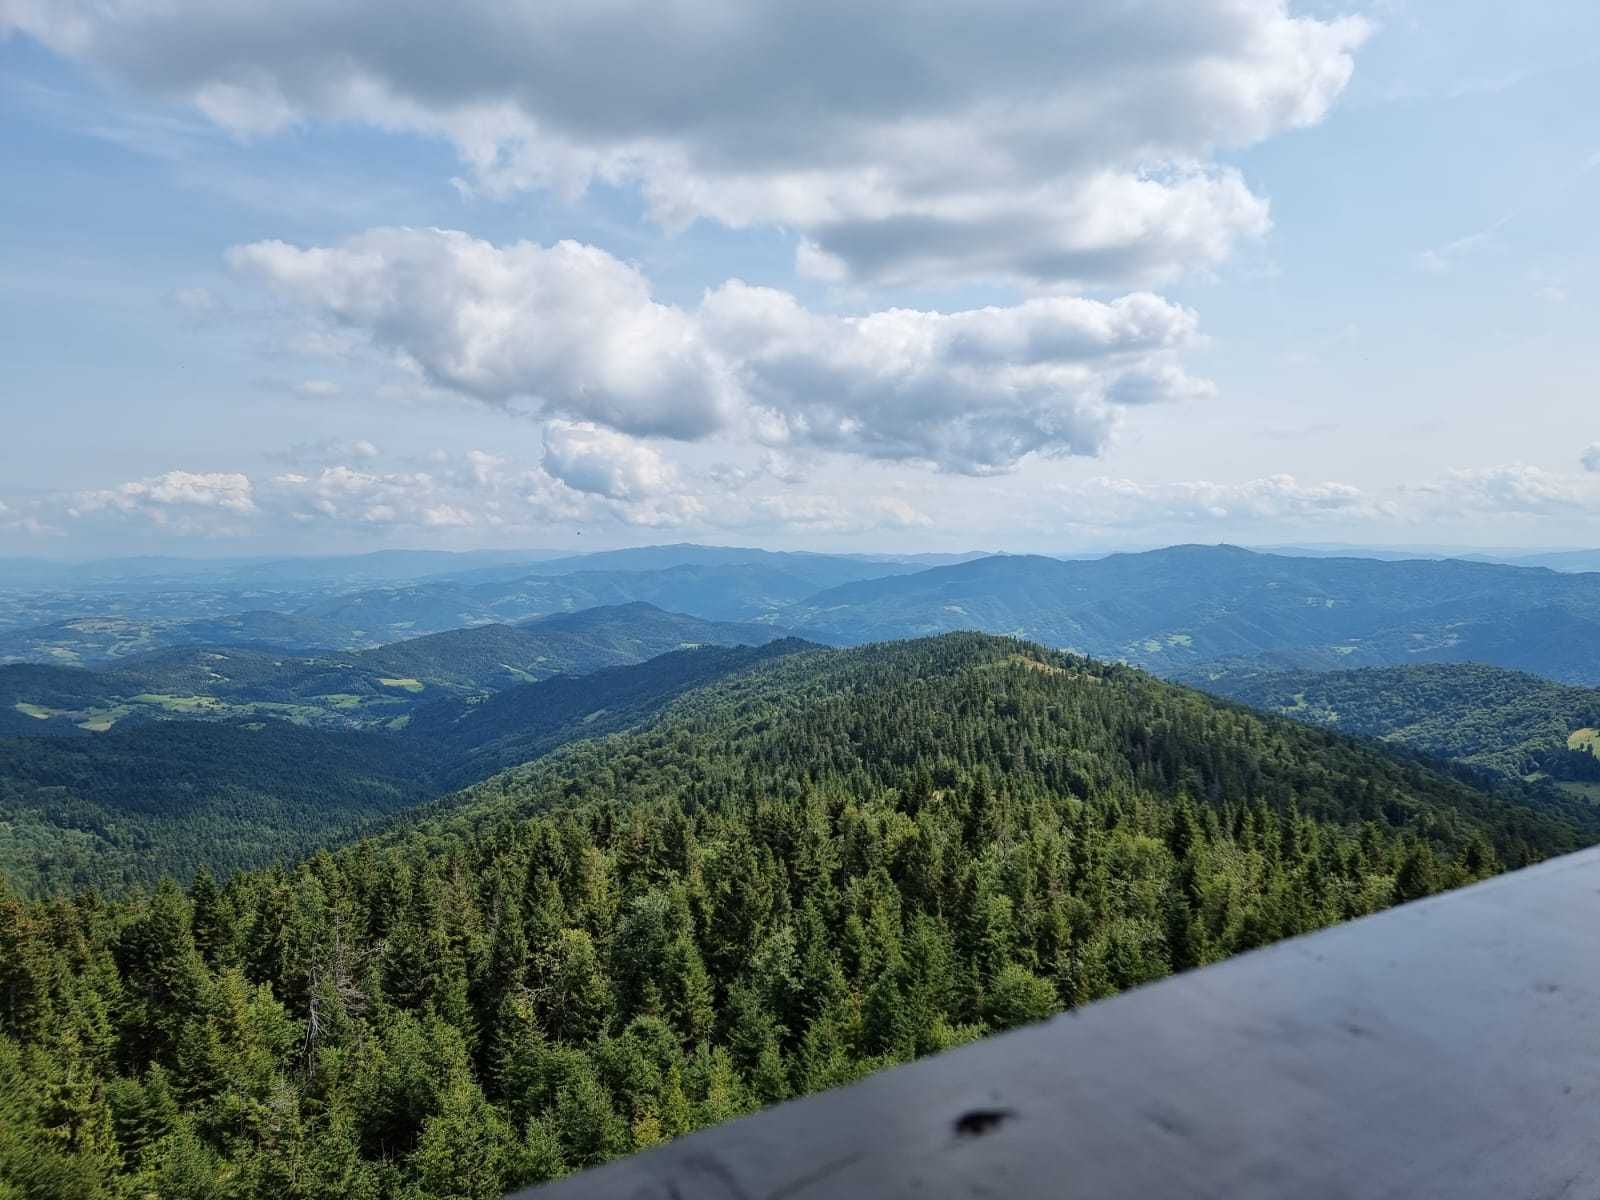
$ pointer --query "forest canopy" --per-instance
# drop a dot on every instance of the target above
(830, 863)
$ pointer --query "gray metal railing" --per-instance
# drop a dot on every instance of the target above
(1449, 1048)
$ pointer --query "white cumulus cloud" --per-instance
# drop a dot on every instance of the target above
(1125, 503)
(590, 459)
(835, 514)
(1514, 492)
(567, 327)
(577, 334)
(1511, 489)
(347, 493)
(1025, 140)
(592, 478)
(173, 496)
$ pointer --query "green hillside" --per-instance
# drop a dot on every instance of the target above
(796, 875)
(97, 641)
(1513, 724)
(154, 797)
(377, 688)
(474, 738)
(125, 807)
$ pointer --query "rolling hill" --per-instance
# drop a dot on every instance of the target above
(166, 572)
(491, 657)
(818, 570)
(713, 582)
(96, 641)
(90, 614)
(161, 796)
(1560, 560)
(1172, 609)
(362, 689)
(717, 592)
(1168, 610)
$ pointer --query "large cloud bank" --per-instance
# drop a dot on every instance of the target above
(1023, 140)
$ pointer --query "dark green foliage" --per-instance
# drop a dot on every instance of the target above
(154, 798)
(127, 806)
(810, 870)
(53, 687)
(1501, 721)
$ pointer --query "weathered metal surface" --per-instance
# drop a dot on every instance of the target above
(1449, 1048)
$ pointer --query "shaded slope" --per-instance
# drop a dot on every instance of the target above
(477, 739)
(127, 806)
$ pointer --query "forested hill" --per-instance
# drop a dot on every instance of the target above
(471, 739)
(798, 874)
(1172, 609)
(119, 809)
(148, 798)
(1057, 722)
(368, 689)
(1502, 721)
(495, 656)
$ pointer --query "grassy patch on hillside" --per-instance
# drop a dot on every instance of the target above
(181, 704)
(340, 700)
(98, 720)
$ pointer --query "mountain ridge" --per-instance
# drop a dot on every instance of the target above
(1173, 608)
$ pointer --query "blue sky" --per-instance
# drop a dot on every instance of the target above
(314, 277)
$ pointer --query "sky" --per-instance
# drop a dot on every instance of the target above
(309, 277)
